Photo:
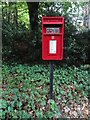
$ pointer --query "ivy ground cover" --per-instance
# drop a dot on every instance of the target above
(25, 92)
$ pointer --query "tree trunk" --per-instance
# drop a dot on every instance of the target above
(33, 16)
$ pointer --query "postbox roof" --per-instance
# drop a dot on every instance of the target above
(53, 20)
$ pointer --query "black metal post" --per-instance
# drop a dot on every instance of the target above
(51, 79)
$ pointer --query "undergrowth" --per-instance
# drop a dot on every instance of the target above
(25, 90)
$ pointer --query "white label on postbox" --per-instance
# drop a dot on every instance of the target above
(52, 47)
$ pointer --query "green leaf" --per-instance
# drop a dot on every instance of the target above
(39, 114)
(3, 103)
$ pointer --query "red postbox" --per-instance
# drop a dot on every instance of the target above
(52, 38)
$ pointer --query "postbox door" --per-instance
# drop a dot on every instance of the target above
(52, 46)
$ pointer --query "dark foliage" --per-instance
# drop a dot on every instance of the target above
(19, 47)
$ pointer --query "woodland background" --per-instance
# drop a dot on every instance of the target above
(25, 88)
(21, 36)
